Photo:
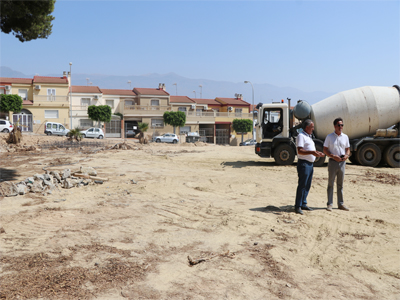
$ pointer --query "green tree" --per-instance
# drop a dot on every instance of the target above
(74, 134)
(10, 103)
(100, 113)
(242, 126)
(142, 128)
(175, 118)
(27, 20)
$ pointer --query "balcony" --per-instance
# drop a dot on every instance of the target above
(79, 110)
(191, 115)
(51, 100)
(145, 110)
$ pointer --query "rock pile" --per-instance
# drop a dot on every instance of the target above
(46, 183)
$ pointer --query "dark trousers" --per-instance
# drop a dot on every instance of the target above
(305, 170)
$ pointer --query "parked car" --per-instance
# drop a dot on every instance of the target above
(167, 138)
(249, 142)
(52, 128)
(6, 126)
(93, 132)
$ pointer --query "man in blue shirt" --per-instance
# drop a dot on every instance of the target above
(306, 154)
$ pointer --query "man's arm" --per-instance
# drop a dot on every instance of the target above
(301, 151)
(336, 157)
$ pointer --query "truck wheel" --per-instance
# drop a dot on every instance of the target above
(353, 158)
(392, 156)
(369, 155)
(284, 154)
(319, 161)
(48, 133)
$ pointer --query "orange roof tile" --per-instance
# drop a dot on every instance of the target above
(45, 79)
(207, 101)
(118, 92)
(147, 91)
(232, 101)
(180, 99)
(7, 80)
(86, 89)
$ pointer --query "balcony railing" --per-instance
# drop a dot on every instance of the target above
(146, 107)
(51, 98)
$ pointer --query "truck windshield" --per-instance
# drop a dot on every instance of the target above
(273, 122)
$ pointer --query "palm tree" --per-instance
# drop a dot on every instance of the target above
(142, 129)
(75, 134)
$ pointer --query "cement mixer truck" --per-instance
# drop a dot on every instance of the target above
(371, 115)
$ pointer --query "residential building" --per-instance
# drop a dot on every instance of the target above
(44, 99)
(82, 97)
(52, 99)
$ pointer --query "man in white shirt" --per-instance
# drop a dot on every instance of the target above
(337, 148)
(306, 154)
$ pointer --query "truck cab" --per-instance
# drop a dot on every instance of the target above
(276, 135)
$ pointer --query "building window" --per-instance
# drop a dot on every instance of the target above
(182, 108)
(238, 112)
(185, 130)
(199, 112)
(155, 102)
(110, 103)
(51, 114)
(157, 123)
(23, 93)
(85, 123)
(129, 102)
(85, 101)
(51, 94)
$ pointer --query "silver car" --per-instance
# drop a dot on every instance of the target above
(167, 138)
(93, 132)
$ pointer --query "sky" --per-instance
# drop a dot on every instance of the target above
(320, 45)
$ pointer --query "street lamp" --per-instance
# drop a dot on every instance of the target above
(70, 95)
(201, 91)
(176, 86)
(194, 94)
(87, 80)
(252, 102)
(129, 82)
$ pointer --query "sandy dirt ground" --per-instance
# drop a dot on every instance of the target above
(133, 236)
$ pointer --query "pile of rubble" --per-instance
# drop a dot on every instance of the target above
(46, 183)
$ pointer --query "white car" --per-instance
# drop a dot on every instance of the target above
(6, 126)
(52, 128)
(167, 138)
(93, 132)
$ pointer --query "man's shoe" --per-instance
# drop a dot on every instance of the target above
(298, 211)
(343, 207)
(329, 208)
(305, 207)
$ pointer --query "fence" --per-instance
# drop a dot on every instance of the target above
(95, 144)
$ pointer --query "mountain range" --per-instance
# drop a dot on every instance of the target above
(265, 93)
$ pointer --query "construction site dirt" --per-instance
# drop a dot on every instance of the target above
(191, 221)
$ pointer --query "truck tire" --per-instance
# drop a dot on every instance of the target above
(369, 155)
(319, 161)
(284, 154)
(353, 158)
(392, 156)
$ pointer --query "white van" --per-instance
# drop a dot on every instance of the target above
(51, 128)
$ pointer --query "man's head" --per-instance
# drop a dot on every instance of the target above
(308, 126)
(338, 123)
